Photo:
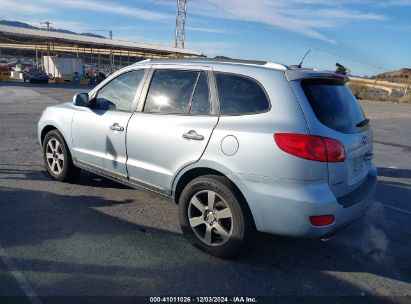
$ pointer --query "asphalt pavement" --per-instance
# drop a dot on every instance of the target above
(94, 237)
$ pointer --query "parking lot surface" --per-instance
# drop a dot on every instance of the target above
(97, 237)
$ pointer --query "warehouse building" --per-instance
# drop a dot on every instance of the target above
(95, 54)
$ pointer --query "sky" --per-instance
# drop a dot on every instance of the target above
(369, 37)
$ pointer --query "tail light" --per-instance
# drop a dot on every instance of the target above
(311, 147)
(322, 220)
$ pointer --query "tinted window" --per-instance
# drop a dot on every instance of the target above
(240, 95)
(201, 99)
(334, 105)
(171, 91)
(119, 94)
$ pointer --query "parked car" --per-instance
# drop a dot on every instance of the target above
(239, 145)
(100, 77)
(35, 75)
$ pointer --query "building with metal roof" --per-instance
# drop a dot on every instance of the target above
(12, 37)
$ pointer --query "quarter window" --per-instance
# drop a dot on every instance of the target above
(240, 95)
(120, 93)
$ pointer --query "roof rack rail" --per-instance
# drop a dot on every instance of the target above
(273, 65)
(143, 61)
(276, 65)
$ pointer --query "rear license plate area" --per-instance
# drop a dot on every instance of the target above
(357, 168)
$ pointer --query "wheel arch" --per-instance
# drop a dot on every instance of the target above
(46, 130)
(184, 178)
(51, 126)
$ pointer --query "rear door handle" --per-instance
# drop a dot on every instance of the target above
(116, 127)
(192, 134)
(368, 156)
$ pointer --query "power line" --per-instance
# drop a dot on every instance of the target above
(315, 48)
(131, 16)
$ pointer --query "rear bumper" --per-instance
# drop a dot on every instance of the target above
(362, 192)
(284, 206)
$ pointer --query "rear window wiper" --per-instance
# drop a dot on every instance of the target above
(363, 123)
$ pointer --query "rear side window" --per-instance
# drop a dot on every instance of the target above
(334, 105)
(171, 91)
(201, 99)
(240, 95)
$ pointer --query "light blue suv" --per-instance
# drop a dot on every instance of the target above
(239, 145)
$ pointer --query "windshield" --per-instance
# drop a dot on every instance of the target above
(334, 105)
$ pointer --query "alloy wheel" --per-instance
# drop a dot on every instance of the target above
(55, 156)
(210, 218)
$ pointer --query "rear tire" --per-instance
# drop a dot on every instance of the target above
(57, 157)
(213, 218)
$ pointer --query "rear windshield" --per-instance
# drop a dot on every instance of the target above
(334, 105)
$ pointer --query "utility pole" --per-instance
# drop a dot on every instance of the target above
(47, 23)
(181, 13)
(110, 35)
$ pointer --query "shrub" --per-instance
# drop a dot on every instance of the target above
(407, 98)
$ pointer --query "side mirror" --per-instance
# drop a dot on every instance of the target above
(81, 100)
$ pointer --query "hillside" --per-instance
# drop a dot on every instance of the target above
(25, 25)
(402, 76)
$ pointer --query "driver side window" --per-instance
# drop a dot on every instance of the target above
(120, 93)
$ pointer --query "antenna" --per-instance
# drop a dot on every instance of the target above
(302, 60)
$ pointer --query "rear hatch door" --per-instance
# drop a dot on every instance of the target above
(332, 111)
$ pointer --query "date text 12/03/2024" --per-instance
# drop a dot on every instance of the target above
(239, 299)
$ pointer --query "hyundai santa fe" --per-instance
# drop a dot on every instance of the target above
(238, 145)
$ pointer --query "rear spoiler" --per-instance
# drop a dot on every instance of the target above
(305, 73)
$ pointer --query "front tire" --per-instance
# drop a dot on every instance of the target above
(57, 157)
(213, 217)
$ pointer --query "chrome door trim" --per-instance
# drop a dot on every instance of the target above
(122, 180)
(85, 165)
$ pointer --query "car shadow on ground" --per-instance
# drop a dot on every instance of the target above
(52, 236)
(69, 86)
(65, 245)
(394, 172)
(84, 179)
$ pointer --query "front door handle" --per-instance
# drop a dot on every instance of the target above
(116, 127)
(192, 134)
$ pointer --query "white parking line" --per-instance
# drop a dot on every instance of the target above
(395, 208)
(21, 280)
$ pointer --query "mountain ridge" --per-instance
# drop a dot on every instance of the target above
(402, 75)
(28, 26)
